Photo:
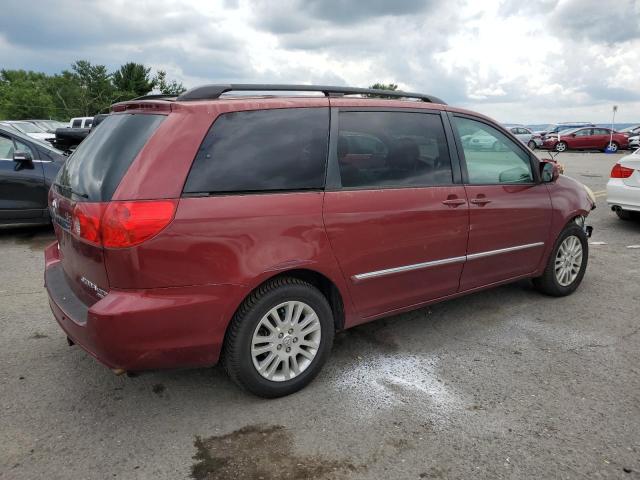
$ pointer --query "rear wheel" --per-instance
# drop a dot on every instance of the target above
(611, 147)
(561, 146)
(532, 144)
(624, 214)
(567, 263)
(279, 338)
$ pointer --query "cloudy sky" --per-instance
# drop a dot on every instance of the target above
(516, 60)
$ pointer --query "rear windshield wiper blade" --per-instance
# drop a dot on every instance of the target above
(71, 191)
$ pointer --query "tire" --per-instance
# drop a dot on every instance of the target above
(612, 147)
(624, 214)
(531, 145)
(253, 321)
(561, 147)
(552, 282)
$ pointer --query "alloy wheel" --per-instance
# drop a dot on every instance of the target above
(285, 341)
(568, 260)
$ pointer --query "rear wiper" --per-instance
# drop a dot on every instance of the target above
(71, 191)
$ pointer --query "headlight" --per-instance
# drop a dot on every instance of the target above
(590, 194)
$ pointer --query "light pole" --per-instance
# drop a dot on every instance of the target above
(615, 109)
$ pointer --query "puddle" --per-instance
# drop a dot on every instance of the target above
(264, 452)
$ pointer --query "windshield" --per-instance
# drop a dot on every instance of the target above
(569, 131)
(27, 127)
(630, 129)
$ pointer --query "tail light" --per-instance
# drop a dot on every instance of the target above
(121, 224)
(618, 171)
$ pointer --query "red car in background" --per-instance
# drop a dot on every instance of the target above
(589, 138)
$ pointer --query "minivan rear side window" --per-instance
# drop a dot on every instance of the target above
(392, 149)
(95, 169)
(262, 150)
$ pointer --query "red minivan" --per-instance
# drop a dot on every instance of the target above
(248, 229)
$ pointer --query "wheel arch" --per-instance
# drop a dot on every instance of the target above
(322, 282)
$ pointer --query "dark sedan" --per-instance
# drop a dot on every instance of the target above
(27, 169)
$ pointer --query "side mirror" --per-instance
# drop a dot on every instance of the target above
(573, 135)
(549, 171)
(22, 157)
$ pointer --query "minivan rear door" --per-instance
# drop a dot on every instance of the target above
(395, 217)
(83, 188)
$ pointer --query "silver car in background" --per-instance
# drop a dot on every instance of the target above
(525, 135)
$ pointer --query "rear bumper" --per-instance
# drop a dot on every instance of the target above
(144, 329)
(623, 196)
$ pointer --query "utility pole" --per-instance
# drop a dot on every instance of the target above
(615, 109)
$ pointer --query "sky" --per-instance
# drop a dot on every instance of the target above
(522, 61)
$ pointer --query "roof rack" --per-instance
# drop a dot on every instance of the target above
(155, 96)
(211, 92)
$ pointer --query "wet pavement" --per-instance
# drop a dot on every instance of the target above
(504, 383)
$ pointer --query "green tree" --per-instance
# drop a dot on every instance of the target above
(168, 88)
(23, 95)
(97, 91)
(383, 86)
(133, 79)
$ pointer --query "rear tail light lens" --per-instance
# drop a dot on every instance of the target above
(618, 171)
(86, 221)
(121, 224)
(125, 224)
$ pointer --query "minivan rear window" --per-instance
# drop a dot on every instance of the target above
(96, 168)
(262, 150)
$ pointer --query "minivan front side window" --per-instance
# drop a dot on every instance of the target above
(491, 157)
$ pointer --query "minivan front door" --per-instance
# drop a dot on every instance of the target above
(396, 221)
(509, 211)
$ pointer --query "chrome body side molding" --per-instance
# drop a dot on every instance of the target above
(445, 261)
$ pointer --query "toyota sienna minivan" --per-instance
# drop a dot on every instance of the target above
(220, 227)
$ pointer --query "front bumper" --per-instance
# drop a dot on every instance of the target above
(621, 195)
(144, 329)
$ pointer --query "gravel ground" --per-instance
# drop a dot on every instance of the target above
(501, 384)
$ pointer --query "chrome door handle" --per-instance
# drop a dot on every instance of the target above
(480, 201)
(454, 202)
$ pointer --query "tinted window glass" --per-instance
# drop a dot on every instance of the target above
(95, 169)
(77, 124)
(601, 131)
(584, 132)
(262, 150)
(377, 149)
(490, 156)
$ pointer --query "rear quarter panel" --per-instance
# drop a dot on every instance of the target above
(231, 239)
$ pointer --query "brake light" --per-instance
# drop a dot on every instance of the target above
(121, 224)
(125, 224)
(618, 171)
(86, 221)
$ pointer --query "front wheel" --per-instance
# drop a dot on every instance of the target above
(279, 338)
(567, 263)
(561, 146)
(532, 144)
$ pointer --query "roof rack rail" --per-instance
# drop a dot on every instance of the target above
(211, 92)
(155, 96)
